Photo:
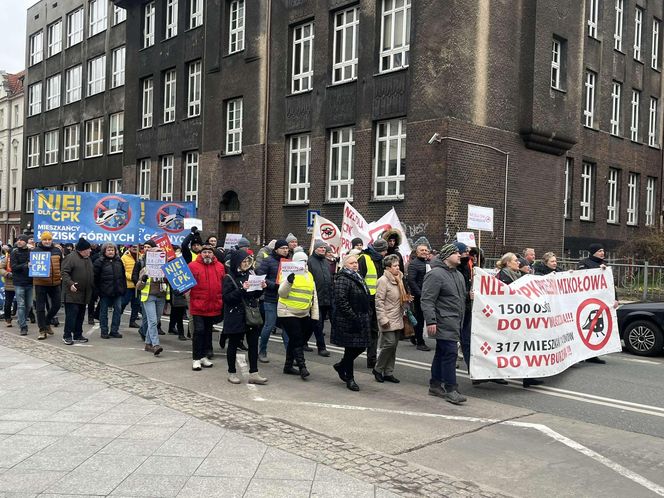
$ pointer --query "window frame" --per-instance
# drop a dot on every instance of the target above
(94, 146)
(35, 99)
(556, 63)
(299, 158)
(33, 153)
(234, 126)
(116, 133)
(651, 190)
(118, 65)
(587, 201)
(114, 186)
(191, 177)
(400, 136)
(301, 79)
(633, 198)
(236, 25)
(36, 47)
(54, 42)
(590, 84)
(653, 123)
(613, 196)
(567, 199)
(393, 52)
(71, 147)
(196, 13)
(194, 88)
(654, 45)
(51, 146)
(75, 22)
(635, 108)
(616, 97)
(73, 93)
(593, 18)
(169, 96)
(96, 81)
(54, 84)
(638, 33)
(338, 144)
(29, 200)
(341, 32)
(148, 28)
(618, 28)
(119, 15)
(147, 103)
(170, 19)
(92, 187)
(166, 169)
(97, 17)
(144, 177)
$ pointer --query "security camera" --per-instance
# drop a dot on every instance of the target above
(434, 138)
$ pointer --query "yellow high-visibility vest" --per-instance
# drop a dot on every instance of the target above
(371, 278)
(145, 291)
(301, 294)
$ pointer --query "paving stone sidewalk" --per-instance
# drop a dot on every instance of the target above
(73, 426)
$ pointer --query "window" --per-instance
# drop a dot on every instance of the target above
(638, 22)
(303, 65)
(119, 15)
(144, 178)
(115, 186)
(298, 169)
(116, 133)
(589, 101)
(171, 19)
(593, 16)
(33, 151)
(634, 127)
(394, 35)
(195, 13)
(653, 124)
(615, 108)
(147, 101)
(97, 13)
(613, 197)
(390, 159)
(342, 157)
(92, 187)
(73, 82)
(36, 47)
(236, 28)
(54, 32)
(72, 138)
(34, 99)
(194, 90)
(166, 193)
(50, 147)
(29, 201)
(71, 187)
(557, 55)
(94, 137)
(75, 27)
(191, 177)
(588, 192)
(617, 33)
(53, 92)
(651, 185)
(148, 25)
(234, 126)
(96, 75)
(569, 174)
(633, 199)
(169, 96)
(17, 113)
(654, 58)
(118, 67)
(346, 26)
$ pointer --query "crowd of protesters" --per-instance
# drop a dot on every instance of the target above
(373, 297)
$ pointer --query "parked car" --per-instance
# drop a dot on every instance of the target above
(641, 327)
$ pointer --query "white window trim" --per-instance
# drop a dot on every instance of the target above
(98, 17)
(119, 15)
(191, 177)
(166, 177)
(567, 204)
(51, 147)
(171, 15)
(148, 25)
(72, 143)
(170, 88)
(301, 79)
(587, 192)
(94, 187)
(638, 27)
(94, 138)
(118, 67)
(299, 157)
(390, 54)
(96, 75)
(234, 111)
(618, 31)
(634, 126)
(35, 99)
(54, 35)
(651, 186)
(75, 27)
(616, 93)
(114, 186)
(73, 87)
(613, 197)
(70, 187)
(144, 173)
(654, 57)
(633, 199)
(556, 52)
(236, 26)
(653, 123)
(195, 13)
(589, 103)
(147, 103)
(36, 47)
(338, 144)
(593, 17)
(116, 133)
(342, 29)
(53, 88)
(29, 201)
(194, 89)
(33, 152)
(398, 135)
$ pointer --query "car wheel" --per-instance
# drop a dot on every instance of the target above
(644, 338)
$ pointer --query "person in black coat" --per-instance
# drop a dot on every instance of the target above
(111, 285)
(417, 268)
(20, 270)
(236, 297)
(319, 267)
(352, 326)
(549, 264)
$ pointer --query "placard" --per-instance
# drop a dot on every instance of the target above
(255, 282)
(179, 275)
(40, 264)
(286, 267)
(164, 242)
(467, 238)
(189, 223)
(154, 261)
(480, 218)
(232, 240)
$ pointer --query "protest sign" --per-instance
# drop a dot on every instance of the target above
(287, 266)
(541, 325)
(232, 240)
(467, 238)
(326, 231)
(96, 217)
(256, 282)
(353, 225)
(40, 264)
(189, 223)
(390, 221)
(179, 275)
(158, 217)
(164, 242)
(154, 260)
(480, 218)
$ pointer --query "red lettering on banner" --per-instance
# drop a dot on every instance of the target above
(508, 361)
(504, 324)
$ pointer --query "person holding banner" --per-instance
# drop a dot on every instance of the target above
(191, 245)
(6, 274)
(155, 291)
(48, 288)
(111, 285)
(129, 259)
(20, 261)
(77, 289)
(508, 268)
(549, 264)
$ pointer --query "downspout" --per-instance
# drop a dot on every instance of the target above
(266, 119)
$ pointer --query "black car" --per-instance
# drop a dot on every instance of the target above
(641, 327)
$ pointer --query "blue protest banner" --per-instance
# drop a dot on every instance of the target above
(40, 264)
(96, 217)
(158, 217)
(179, 275)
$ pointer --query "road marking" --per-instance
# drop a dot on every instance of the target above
(547, 431)
(636, 360)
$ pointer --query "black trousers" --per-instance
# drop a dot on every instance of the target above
(298, 330)
(74, 317)
(348, 359)
(234, 340)
(47, 295)
(202, 336)
(372, 348)
(176, 322)
(419, 328)
(9, 300)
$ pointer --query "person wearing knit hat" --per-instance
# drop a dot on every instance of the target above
(77, 290)
(46, 236)
(443, 305)
(318, 244)
(279, 243)
(82, 245)
(379, 245)
(292, 244)
(422, 241)
(463, 248)
(20, 269)
(47, 289)
(357, 243)
(319, 266)
(243, 243)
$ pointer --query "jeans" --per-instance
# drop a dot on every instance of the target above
(443, 366)
(42, 293)
(348, 359)
(387, 355)
(317, 329)
(74, 317)
(270, 310)
(154, 308)
(24, 300)
(202, 335)
(9, 301)
(131, 297)
(465, 337)
(106, 302)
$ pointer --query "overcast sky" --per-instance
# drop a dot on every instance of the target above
(12, 34)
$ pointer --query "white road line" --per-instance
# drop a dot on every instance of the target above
(547, 431)
(637, 360)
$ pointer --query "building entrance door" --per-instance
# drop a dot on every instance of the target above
(229, 215)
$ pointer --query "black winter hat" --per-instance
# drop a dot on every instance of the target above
(280, 243)
(82, 244)
(356, 241)
(594, 248)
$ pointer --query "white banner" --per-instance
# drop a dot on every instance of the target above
(480, 218)
(154, 260)
(328, 232)
(388, 221)
(541, 325)
(353, 225)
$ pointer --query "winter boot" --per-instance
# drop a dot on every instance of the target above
(288, 365)
(301, 365)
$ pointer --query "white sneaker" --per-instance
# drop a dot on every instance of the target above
(196, 365)
(205, 363)
(255, 378)
(234, 379)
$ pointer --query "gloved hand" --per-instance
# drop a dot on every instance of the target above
(145, 278)
(194, 229)
(291, 278)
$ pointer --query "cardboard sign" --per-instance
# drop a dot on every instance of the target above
(154, 261)
(40, 264)
(164, 242)
(480, 218)
(179, 275)
(286, 267)
(193, 222)
(467, 238)
(232, 240)
(255, 282)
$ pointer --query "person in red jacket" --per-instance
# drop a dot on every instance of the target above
(205, 303)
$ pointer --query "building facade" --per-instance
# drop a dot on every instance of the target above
(11, 149)
(74, 104)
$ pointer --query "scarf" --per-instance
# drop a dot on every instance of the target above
(357, 277)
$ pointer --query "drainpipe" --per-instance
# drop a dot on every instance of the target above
(266, 118)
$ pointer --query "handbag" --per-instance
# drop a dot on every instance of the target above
(252, 314)
(408, 330)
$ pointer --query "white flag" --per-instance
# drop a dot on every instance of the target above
(389, 221)
(326, 231)
(353, 225)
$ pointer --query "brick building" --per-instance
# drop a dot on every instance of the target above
(74, 104)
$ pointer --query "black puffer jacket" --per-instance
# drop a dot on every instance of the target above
(110, 278)
(541, 269)
(417, 268)
(319, 267)
(351, 313)
(20, 272)
(235, 297)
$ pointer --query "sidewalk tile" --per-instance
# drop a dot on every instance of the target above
(169, 465)
(330, 489)
(232, 466)
(80, 482)
(148, 432)
(27, 415)
(109, 464)
(150, 485)
(233, 444)
(68, 415)
(278, 464)
(50, 428)
(384, 493)
(17, 447)
(278, 488)
(185, 448)
(101, 430)
(219, 487)
(138, 447)
(13, 426)
(197, 429)
(26, 481)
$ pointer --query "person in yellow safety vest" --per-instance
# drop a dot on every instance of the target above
(297, 310)
(154, 293)
(370, 269)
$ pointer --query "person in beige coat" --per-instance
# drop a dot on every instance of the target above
(391, 296)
